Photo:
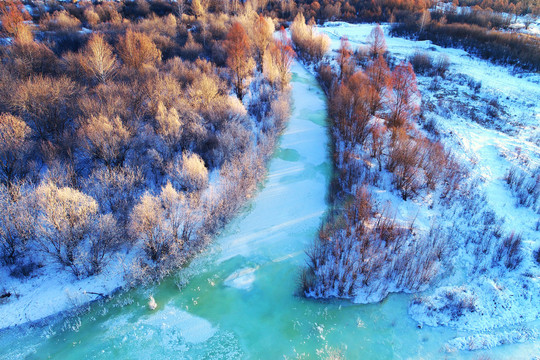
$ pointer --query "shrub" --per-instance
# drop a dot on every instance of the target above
(60, 21)
(509, 251)
(46, 104)
(191, 49)
(17, 216)
(115, 190)
(105, 140)
(14, 146)
(98, 59)
(66, 220)
(189, 172)
(165, 224)
(422, 63)
(138, 51)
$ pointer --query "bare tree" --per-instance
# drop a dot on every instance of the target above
(137, 50)
(238, 57)
(106, 140)
(66, 219)
(98, 59)
(376, 42)
(14, 145)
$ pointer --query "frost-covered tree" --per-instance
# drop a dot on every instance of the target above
(261, 36)
(278, 60)
(98, 59)
(14, 145)
(169, 127)
(310, 44)
(403, 100)
(376, 42)
(147, 222)
(137, 50)
(189, 172)
(66, 219)
(343, 59)
(106, 140)
(17, 222)
(239, 59)
(104, 238)
(115, 189)
(379, 76)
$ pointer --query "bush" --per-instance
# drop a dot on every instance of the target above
(105, 140)
(422, 63)
(66, 221)
(138, 51)
(509, 251)
(47, 104)
(189, 172)
(14, 147)
(60, 21)
(17, 216)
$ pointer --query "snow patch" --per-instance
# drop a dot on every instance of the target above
(242, 279)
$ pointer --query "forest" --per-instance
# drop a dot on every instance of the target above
(132, 127)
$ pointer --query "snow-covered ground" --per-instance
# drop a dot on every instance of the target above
(489, 117)
(51, 290)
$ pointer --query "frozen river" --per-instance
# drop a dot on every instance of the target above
(239, 299)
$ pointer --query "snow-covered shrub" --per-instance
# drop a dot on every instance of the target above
(364, 257)
(310, 44)
(189, 172)
(105, 139)
(448, 303)
(525, 186)
(70, 229)
(17, 218)
(509, 252)
(115, 189)
(14, 146)
(422, 62)
(442, 64)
